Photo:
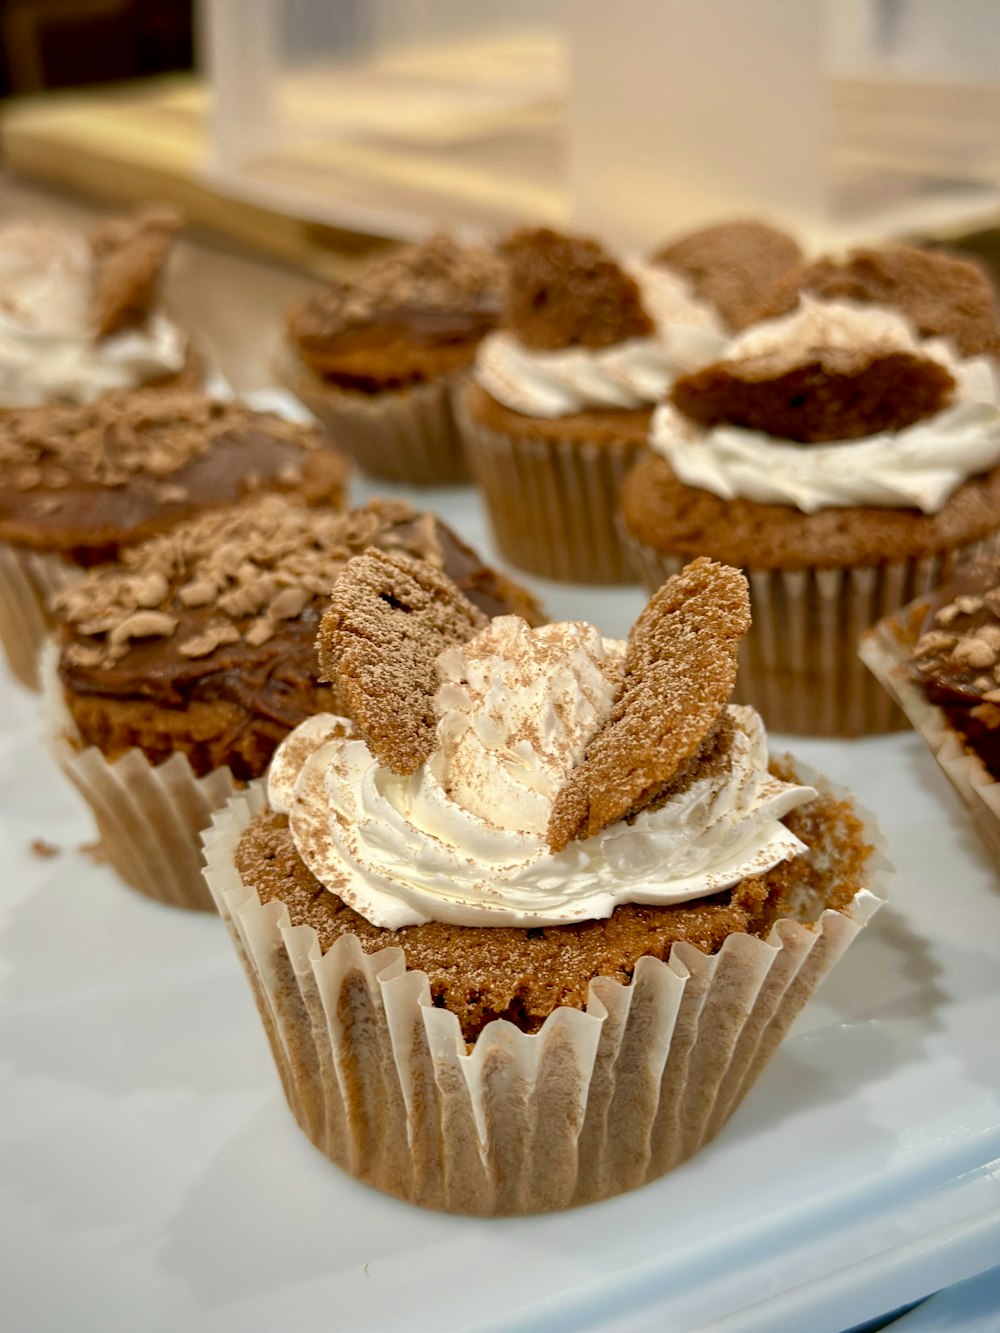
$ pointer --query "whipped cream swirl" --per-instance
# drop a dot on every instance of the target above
(629, 375)
(48, 349)
(462, 840)
(918, 467)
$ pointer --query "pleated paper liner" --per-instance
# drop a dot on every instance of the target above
(597, 1102)
(150, 816)
(28, 582)
(553, 503)
(885, 650)
(799, 665)
(405, 435)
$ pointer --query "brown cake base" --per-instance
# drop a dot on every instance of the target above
(817, 583)
(395, 1068)
(551, 486)
(406, 434)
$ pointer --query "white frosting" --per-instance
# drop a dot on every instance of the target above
(462, 840)
(48, 349)
(918, 467)
(628, 375)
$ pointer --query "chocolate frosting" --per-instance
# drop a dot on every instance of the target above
(265, 688)
(86, 482)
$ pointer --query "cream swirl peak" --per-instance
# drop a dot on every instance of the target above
(49, 350)
(919, 466)
(462, 840)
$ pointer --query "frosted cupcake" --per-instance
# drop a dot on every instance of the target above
(846, 463)
(377, 359)
(183, 666)
(81, 485)
(80, 316)
(526, 929)
(939, 658)
(560, 398)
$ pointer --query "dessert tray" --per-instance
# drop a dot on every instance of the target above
(151, 1176)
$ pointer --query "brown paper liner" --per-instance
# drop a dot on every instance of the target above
(553, 503)
(597, 1102)
(28, 582)
(886, 651)
(798, 665)
(150, 816)
(406, 435)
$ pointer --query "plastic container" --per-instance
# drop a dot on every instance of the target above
(845, 118)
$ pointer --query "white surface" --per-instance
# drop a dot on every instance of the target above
(151, 1177)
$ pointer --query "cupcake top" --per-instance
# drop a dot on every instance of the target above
(959, 647)
(583, 332)
(222, 613)
(835, 404)
(87, 481)
(735, 266)
(408, 316)
(79, 317)
(940, 295)
(505, 775)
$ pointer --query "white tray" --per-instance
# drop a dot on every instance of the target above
(151, 1177)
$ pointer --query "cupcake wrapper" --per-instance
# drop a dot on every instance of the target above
(406, 435)
(150, 817)
(798, 665)
(553, 503)
(28, 582)
(596, 1103)
(885, 650)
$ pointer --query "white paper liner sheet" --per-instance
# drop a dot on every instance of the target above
(28, 582)
(597, 1102)
(885, 650)
(798, 664)
(407, 435)
(150, 816)
(553, 503)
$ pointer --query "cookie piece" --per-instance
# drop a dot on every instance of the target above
(680, 669)
(129, 255)
(815, 402)
(389, 618)
(941, 295)
(734, 265)
(567, 291)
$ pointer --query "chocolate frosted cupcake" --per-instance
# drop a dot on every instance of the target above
(846, 463)
(560, 398)
(526, 929)
(79, 316)
(182, 667)
(737, 267)
(939, 658)
(79, 485)
(377, 359)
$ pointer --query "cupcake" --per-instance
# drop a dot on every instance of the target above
(80, 316)
(377, 359)
(180, 668)
(939, 658)
(79, 485)
(738, 268)
(560, 398)
(846, 456)
(526, 928)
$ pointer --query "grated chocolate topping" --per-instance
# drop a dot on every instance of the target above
(119, 436)
(437, 276)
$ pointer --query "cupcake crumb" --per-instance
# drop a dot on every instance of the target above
(44, 849)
